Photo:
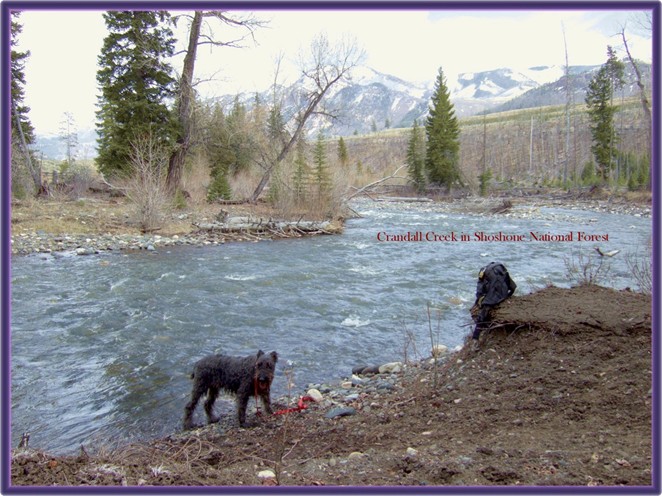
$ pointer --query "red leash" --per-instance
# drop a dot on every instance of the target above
(301, 406)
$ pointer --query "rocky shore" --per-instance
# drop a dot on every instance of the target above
(205, 233)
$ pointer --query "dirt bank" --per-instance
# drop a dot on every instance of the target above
(558, 394)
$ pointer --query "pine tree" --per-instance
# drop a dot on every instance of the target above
(239, 139)
(599, 102)
(301, 173)
(416, 158)
(321, 177)
(18, 60)
(25, 175)
(442, 132)
(220, 155)
(343, 156)
(135, 83)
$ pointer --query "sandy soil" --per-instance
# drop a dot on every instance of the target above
(559, 393)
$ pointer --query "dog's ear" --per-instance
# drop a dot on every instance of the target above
(274, 355)
(260, 353)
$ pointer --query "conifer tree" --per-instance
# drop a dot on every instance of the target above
(221, 156)
(22, 132)
(343, 156)
(442, 132)
(136, 83)
(416, 158)
(18, 60)
(321, 177)
(601, 110)
(301, 173)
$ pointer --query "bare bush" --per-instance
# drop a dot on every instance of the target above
(586, 269)
(640, 265)
(146, 189)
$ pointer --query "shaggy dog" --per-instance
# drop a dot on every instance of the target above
(242, 376)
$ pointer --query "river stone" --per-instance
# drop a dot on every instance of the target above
(390, 368)
(340, 412)
(439, 350)
(315, 395)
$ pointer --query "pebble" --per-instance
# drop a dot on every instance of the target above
(340, 412)
(315, 395)
(266, 474)
(391, 368)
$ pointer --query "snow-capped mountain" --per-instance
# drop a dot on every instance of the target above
(372, 100)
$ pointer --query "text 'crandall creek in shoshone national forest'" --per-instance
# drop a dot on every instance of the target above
(452, 236)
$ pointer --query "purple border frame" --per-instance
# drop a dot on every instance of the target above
(5, 227)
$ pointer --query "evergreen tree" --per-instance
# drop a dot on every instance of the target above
(135, 83)
(18, 60)
(416, 158)
(25, 176)
(301, 173)
(220, 155)
(601, 110)
(240, 141)
(321, 177)
(442, 132)
(343, 156)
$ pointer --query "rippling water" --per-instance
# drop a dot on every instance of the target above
(102, 346)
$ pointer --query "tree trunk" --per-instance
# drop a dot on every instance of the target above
(644, 99)
(36, 174)
(176, 162)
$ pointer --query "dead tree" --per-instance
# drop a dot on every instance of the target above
(645, 104)
(325, 67)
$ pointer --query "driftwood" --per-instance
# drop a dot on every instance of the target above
(367, 187)
(405, 199)
(504, 207)
(257, 226)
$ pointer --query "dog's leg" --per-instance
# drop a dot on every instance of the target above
(242, 404)
(196, 394)
(266, 401)
(209, 405)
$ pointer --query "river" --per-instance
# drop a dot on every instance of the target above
(102, 345)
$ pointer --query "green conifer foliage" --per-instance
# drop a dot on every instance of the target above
(18, 60)
(442, 132)
(601, 111)
(300, 173)
(321, 177)
(343, 155)
(416, 158)
(136, 84)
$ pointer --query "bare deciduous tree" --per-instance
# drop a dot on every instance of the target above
(324, 66)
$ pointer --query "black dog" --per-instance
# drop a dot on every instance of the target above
(243, 376)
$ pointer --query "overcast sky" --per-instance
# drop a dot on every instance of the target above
(412, 45)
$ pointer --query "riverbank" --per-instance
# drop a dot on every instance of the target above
(560, 393)
(102, 224)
